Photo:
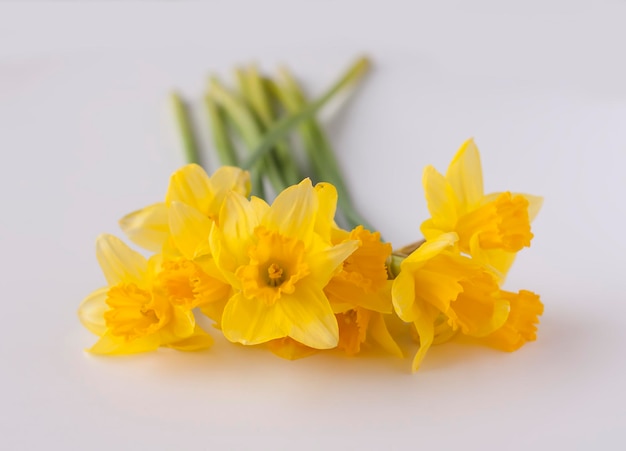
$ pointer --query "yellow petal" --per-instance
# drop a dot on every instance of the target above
(466, 177)
(259, 206)
(326, 262)
(497, 260)
(147, 227)
(108, 345)
(403, 295)
(190, 185)
(327, 201)
(198, 341)
(251, 321)
(344, 295)
(425, 316)
(214, 310)
(534, 205)
(309, 317)
(440, 198)
(430, 249)
(91, 311)
(293, 212)
(231, 178)
(437, 289)
(290, 349)
(181, 325)
(237, 223)
(379, 301)
(119, 263)
(378, 331)
(224, 180)
(190, 230)
(226, 261)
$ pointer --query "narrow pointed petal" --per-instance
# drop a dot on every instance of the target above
(190, 230)
(403, 295)
(224, 180)
(119, 263)
(181, 325)
(190, 185)
(259, 206)
(378, 331)
(465, 175)
(425, 317)
(198, 341)
(293, 212)
(534, 205)
(147, 227)
(251, 321)
(441, 200)
(231, 240)
(107, 345)
(309, 316)
(430, 249)
(91, 311)
(325, 263)
(289, 349)
(497, 260)
(327, 201)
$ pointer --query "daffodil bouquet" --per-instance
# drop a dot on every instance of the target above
(285, 274)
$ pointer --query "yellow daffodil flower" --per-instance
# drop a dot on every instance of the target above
(147, 304)
(435, 280)
(521, 324)
(198, 198)
(278, 264)
(360, 293)
(491, 228)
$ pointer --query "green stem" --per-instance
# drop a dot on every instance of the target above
(184, 128)
(319, 150)
(284, 126)
(259, 97)
(223, 145)
(251, 133)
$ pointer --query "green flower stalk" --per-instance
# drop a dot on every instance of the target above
(251, 132)
(184, 128)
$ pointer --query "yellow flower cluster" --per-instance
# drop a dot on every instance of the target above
(285, 275)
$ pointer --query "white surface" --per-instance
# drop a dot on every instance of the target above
(83, 141)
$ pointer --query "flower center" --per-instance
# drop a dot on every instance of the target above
(276, 264)
(275, 275)
(185, 284)
(133, 312)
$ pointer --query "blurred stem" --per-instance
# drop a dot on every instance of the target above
(184, 128)
(251, 133)
(284, 126)
(223, 144)
(318, 148)
(258, 96)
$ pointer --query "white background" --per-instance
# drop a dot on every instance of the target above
(84, 140)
